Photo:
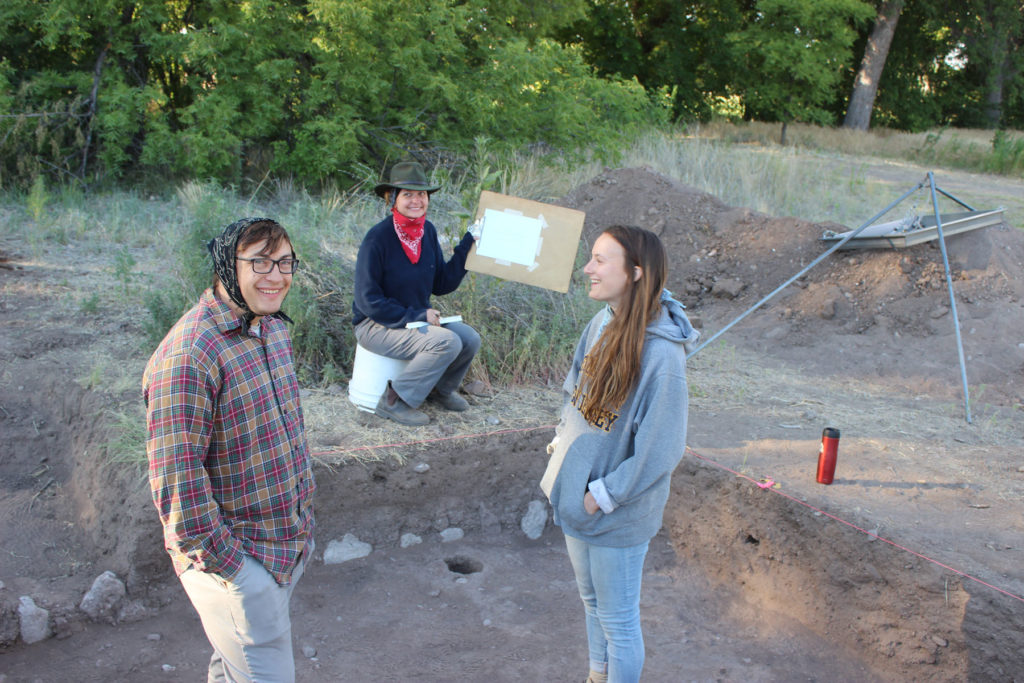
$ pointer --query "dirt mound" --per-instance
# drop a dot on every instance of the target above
(882, 311)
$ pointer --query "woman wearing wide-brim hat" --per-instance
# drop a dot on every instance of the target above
(399, 266)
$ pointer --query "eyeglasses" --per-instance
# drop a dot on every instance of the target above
(262, 266)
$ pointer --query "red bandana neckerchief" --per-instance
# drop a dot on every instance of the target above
(410, 233)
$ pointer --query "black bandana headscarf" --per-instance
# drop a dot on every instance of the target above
(223, 249)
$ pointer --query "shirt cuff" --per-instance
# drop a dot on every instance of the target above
(600, 493)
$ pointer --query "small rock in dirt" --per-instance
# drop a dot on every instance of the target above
(941, 642)
(103, 599)
(828, 310)
(408, 540)
(134, 610)
(34, 621)
(154, 636)
(475, 388)
(727, 288)
(939, 312)
(421, 467)
(348, 548)
(61, 627)
(308, 651)
(491, 420)
(168, 668)
(534, 520)
(452, 533)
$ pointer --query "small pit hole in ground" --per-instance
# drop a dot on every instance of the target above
(460, 564)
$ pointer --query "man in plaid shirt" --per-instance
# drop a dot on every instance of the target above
(229, 466)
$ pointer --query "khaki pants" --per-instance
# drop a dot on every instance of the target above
(439, 356)
(246, 621)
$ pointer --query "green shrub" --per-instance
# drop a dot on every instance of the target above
(1007, 155)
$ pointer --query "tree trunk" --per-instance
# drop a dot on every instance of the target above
(865, 85)
(994, 85)
(91, 114)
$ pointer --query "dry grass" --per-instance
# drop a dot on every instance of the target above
(82, 235)
(963, 148)
(341, 433)
(725, 379)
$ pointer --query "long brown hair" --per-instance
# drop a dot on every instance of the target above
(612, 367)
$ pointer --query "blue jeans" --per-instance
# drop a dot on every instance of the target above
(609, 583)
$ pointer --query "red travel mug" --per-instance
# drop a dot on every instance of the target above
(827, 455)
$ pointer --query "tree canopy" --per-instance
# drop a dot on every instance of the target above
(319, 90)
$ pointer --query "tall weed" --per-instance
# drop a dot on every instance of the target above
(1007, 157)
(127, 445)
(203, 211)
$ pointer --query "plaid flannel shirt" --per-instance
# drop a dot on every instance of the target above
(229, 467)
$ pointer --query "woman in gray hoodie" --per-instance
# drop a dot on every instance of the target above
(621, 433)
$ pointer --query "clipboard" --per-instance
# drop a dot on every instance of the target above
(530, 242)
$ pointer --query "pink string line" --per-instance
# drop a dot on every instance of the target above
(764, 484)
(768, 483)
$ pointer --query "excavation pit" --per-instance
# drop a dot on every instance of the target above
(905, 568)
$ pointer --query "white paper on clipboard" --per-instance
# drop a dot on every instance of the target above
(509, 237)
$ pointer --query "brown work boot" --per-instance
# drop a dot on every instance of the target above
(451, 401)
(394, 408)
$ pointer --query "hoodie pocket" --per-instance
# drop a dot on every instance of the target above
(572, 487)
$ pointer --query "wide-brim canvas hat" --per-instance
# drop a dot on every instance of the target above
(406, 175)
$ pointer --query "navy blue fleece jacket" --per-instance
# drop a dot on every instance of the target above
(626, 460)
(392, 291)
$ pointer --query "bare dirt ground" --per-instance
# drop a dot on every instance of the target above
(906, 568)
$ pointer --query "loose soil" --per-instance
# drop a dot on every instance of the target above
(907, 567)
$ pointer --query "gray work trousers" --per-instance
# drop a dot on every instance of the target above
(247, 622)
(439, 356)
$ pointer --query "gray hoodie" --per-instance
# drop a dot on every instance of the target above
(626, 460)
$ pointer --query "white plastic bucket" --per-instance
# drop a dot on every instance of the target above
(370, 375)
